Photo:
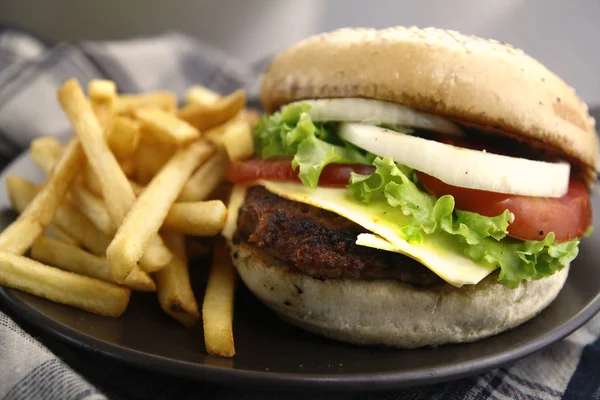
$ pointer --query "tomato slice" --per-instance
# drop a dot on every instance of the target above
(568, 217)
(281, 170)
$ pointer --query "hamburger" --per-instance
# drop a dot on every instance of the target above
(411, 187)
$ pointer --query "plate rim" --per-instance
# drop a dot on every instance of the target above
(356, 381)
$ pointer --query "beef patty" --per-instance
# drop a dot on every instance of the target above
(319, 243)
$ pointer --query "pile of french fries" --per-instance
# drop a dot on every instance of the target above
(122, 201)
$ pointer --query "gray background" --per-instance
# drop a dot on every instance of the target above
(561, 34)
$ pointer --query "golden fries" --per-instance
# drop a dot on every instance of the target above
(204, 117)
(201, 95)
(206, 178)
(53, 231)
(217, 309)
(150, 157)
(92, 227)
(77, 226)
(149, 211)
(21, 192)
(19, 235)
(202, 218)
(236, 199)
(123, 137)
(239, 141)
(45, 152)
(71, 258)
(128, 167)
(63, 287)
(128, 103)
(116, 190)
(102, 90)
(173, 285)
(103, 95)
(92, 207)
(166, 127)
(92, 182)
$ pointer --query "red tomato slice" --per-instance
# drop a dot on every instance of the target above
(281, 170)
(568, 217)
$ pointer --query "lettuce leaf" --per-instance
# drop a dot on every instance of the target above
(476, 236)
(292, 132)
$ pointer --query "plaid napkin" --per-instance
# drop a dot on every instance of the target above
(35, 366)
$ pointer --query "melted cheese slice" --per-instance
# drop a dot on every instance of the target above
(436, 251)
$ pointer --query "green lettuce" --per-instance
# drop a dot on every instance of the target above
(313, 146)
(478, 237)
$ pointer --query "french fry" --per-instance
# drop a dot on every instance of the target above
(66, 219)
(128, 103)
(149, 211)
(55, 232)
(201, 95)
(150, 157)
(166, 127)
(103, 95)
(215, 134)
(206, 178)
(123, 137)
(45, 158)
(116, 190)
(63, 287)
(217, 309)
(204, 117)
(71, 258)
(21, 192)
(236, 199)
(198, 218)
(79, 227)
(92, 207)
(128, 167)
(45, 151)
(92, 182)
(102, 90)
(19, 235)
(136, 187)
(239, 141)
(173, 285)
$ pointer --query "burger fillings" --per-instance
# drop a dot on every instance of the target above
(402, 216)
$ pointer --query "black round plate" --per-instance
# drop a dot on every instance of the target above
(273, 354)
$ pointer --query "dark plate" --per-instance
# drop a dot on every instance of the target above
(273, 354)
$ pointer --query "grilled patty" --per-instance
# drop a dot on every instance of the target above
(319, 243)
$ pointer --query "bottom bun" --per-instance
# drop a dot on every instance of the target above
(392, 313)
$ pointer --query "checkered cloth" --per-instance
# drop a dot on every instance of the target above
(33, 365)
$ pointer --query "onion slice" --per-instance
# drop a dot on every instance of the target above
(377, 112)
(462, 167)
